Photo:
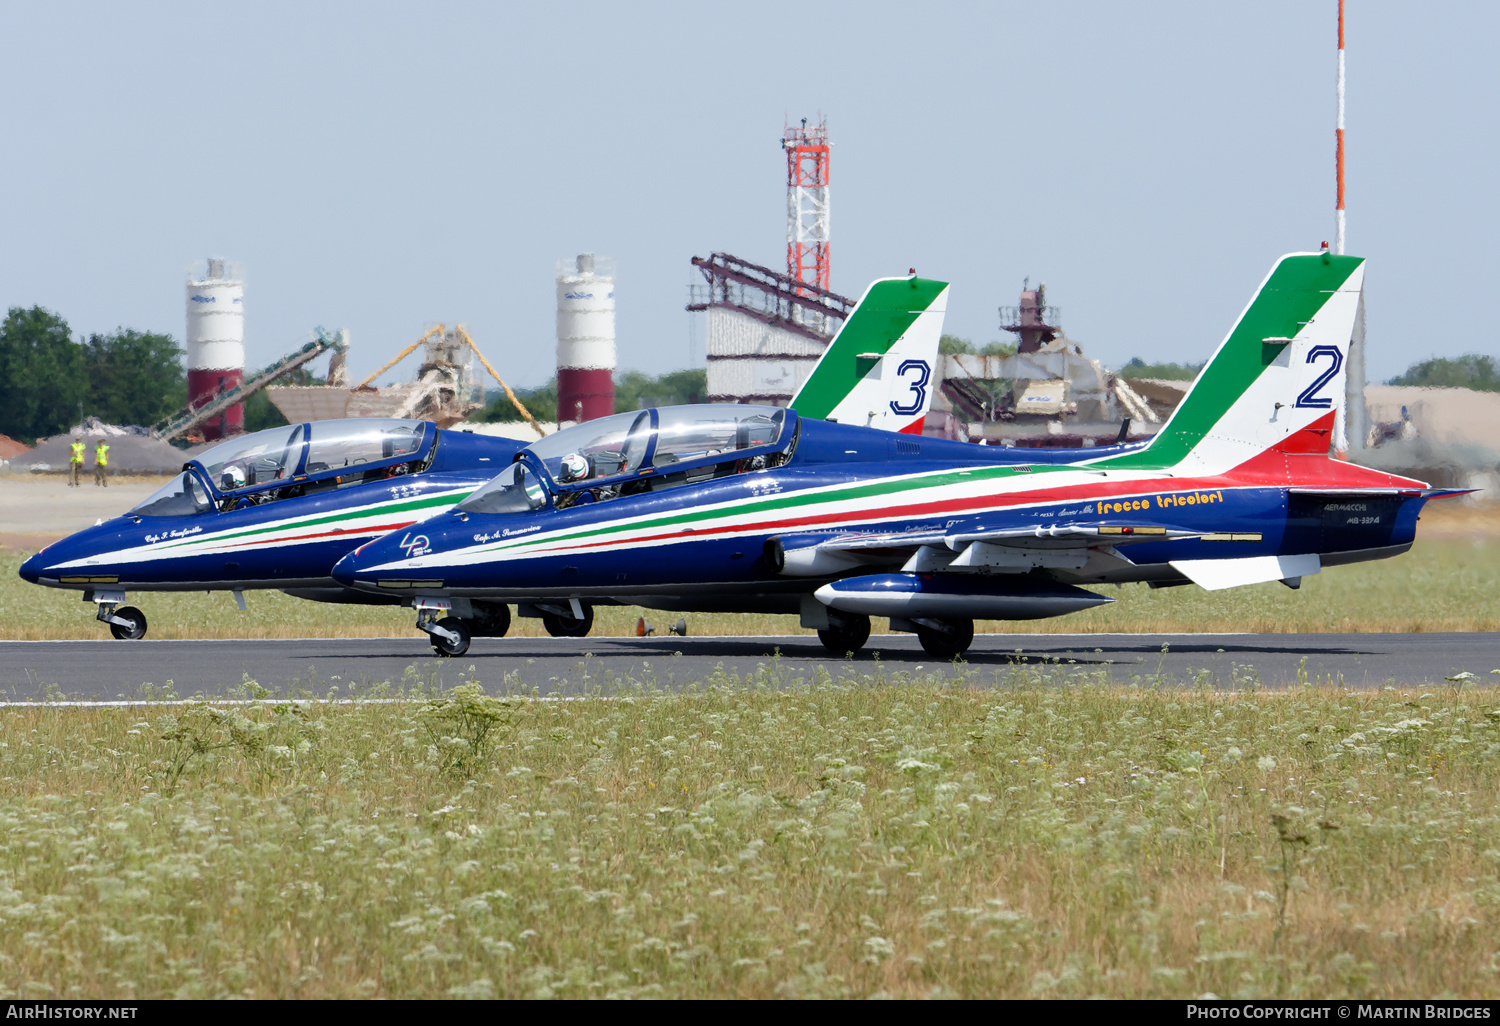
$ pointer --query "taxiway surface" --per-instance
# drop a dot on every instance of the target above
(110, 670)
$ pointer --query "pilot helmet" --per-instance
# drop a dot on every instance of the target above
(232, 478)
(575, 467)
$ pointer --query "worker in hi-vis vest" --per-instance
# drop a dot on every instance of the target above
(75, 461)
(101, 463)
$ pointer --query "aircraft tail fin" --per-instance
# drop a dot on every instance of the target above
(1277, 379)
(879, 370)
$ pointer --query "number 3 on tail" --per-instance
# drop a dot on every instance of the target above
(918, 387)
(1310, 397)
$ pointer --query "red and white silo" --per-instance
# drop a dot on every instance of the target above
(585, 338)
(216, 344)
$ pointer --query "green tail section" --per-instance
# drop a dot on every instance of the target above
(1298, 287)
(885, 312)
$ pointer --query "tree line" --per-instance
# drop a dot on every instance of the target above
(49, 381)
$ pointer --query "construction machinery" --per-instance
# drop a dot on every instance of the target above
(205, 410)
(446, 391)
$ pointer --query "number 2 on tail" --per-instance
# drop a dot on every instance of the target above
(1310, 397)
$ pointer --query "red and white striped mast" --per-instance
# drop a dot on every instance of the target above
(1338, 228)
(1351, 426)
(807, 222)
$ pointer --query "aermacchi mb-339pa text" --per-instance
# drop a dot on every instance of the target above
(744, 508)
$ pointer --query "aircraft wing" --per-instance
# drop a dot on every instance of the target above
(974, 546)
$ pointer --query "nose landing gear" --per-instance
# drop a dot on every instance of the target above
(126, 623)
(449, 635)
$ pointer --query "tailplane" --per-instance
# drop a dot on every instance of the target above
(879, 370)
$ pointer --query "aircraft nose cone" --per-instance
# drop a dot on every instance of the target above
(358, 563)
(31, 570)
(345, 569)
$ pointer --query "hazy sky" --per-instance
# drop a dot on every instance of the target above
(382, 167)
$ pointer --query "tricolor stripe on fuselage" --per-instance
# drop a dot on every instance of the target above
(1246, 433)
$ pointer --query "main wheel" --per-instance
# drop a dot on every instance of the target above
(567, 626)
(137, 628)
(950, 643)
(846, 633)
(442, 646)
(490, 621)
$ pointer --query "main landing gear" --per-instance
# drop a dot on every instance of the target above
(451, 635)
(846, 633)
(947, 638)
(568, 621)
(126, 623)
(561, 618)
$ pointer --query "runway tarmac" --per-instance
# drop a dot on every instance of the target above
(107, 669)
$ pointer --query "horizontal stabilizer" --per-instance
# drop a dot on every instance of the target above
(1218, 574)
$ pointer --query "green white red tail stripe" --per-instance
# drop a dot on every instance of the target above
(1278, 374)
(880, 370)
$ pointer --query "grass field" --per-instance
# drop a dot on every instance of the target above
(758, 838)
(1444, 584)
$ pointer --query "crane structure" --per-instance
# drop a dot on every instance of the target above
(447, 388)
(201, 412)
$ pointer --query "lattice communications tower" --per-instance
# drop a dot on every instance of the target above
(216, 342)
(807, 202)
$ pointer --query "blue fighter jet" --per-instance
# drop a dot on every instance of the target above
(276, 509)
(746, 508)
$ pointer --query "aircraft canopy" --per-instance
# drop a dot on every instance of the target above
(279, 454)
(184, 495)
(630, 443)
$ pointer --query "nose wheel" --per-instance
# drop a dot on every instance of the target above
(126, 623)
(450, 636)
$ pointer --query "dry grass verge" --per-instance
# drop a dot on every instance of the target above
(758, 838)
